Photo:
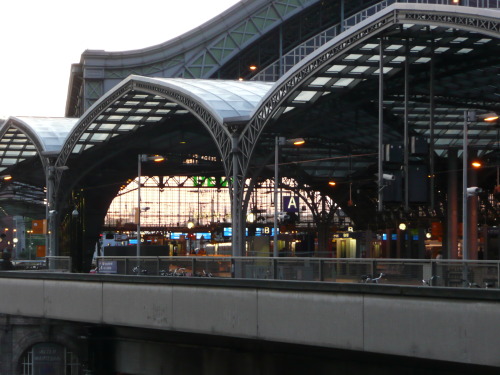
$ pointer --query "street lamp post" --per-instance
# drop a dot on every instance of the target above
(140, 159)
(276, 176)
(465, 229)
(469, 116)
(139, 171)
(277, 143)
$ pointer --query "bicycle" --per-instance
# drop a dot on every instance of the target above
(368, 279)
(429, 282)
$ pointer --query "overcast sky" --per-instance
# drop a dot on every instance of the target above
(40, 39)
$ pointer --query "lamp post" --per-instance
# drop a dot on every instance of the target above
(140, 159)
(469, 116)
(465, 229)
(276, 176)
(278, 142)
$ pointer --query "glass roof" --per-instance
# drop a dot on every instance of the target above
(226, 98)
(24, 137)
(223, 98)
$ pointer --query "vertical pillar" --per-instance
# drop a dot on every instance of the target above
(237, 240)
(380, 125)
(431, 130)
(276, 185)
(406, 134)
(473, 203)
(51, 211)
(452, 207)
(465, 216)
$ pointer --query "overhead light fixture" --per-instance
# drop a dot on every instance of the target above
(298, 141)
(402, 226)
(7, 177)
(490, 117)
(332, 183)
(476, 164)
(253, 67)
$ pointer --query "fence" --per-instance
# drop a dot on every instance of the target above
(443, 273)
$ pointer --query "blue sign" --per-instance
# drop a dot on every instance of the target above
(108, 266)
(291, 204)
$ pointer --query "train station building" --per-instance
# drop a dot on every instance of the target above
(306, 128)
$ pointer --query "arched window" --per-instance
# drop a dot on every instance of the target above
(49, 358)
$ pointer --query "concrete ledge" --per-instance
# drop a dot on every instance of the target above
(445, 324)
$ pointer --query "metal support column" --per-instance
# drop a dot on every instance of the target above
(465, 216)
(276, 184)
(237, 240)
(452, 207)
(406, 136)
(138, 249)
(380, 126)
(431, 132)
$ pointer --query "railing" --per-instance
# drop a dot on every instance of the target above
(424, 272)
(278, 68)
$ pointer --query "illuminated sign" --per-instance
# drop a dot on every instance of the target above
(200, 181)
(291, 204)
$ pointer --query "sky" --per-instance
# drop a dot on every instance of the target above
(40, 39)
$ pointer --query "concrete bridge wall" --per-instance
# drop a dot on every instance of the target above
(457, 325)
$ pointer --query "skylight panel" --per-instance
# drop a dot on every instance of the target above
(126, 127)
(288, 109)
(107, 127)
(441, 49)
(115, 118)
(135, 118)
(459, 39)
(464, 51)
(162, 111)
(422, 60)
(353, 57)
(123, 110)
(336, 68)
(77, 149)
(305, 96)
(84, 137)
(417, 48)
(360, 69)
(482, 41)
(393, 47)
(369, 46)
(343, 82)
(99, 137)
(385, 70)
(320, 81)
(398, 59)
